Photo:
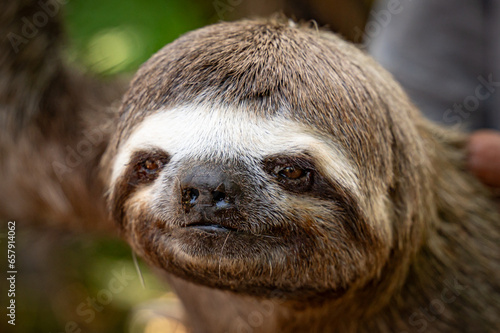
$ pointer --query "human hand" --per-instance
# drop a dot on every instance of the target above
(484, 156)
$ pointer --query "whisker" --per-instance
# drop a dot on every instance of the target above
(222, 250)
(138, 269)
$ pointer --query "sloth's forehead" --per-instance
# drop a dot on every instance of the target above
(225, 133)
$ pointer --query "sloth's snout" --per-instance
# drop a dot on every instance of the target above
(208, 190)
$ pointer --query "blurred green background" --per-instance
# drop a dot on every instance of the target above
(114, 36)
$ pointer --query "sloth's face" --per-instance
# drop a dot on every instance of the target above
(229, 199)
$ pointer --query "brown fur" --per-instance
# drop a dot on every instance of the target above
(422, 232)
(444, 228)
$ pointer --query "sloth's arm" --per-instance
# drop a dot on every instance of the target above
(54, 123)
(31, 73)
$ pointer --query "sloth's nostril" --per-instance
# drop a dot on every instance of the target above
(218, 196)
(193, 194)
(190, 195)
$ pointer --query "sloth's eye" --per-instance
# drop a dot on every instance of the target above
(146, 167)
(151, 165)
(295, 174)
(292, 172)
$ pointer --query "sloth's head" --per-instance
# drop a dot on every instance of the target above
(262, 156)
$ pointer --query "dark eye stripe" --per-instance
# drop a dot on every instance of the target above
(145, 166)
(293, 173)
(134, 177)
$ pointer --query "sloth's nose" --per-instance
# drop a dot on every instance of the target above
(208, 190)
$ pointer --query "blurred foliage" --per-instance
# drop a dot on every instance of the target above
(83, 283)
(60, 272)
(114, 36)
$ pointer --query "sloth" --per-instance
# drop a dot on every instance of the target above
(262, 163)
(281, 181)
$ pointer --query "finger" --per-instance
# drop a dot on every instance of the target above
(484, 156)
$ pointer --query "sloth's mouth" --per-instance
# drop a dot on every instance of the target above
(211, 227)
